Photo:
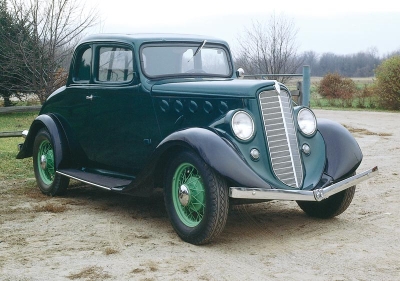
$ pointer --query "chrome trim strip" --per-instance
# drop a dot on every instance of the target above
(81, 180)
(289, 144)
(301, 195)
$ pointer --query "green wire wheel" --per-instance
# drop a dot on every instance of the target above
(196, 198)
(188, 194)
(44, 165)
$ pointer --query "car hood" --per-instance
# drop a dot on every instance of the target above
(228, 87)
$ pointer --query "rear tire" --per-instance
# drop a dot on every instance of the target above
(331, 207)
(196, 199)
(49, 182)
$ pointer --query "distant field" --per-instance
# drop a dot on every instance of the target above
(316, 79)
(317, 101)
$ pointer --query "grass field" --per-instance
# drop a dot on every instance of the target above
(14, 170)
(356, 103)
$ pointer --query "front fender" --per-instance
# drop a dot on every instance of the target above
(51, 123)
(343, 154)
(217, 153)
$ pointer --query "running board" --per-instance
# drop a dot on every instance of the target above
(106, 182)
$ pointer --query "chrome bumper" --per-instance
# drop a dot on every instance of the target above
(301, 195)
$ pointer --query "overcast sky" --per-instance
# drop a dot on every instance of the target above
(339, 26)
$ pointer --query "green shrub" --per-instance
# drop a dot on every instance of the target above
(388, 83)
(337, 89)
(366, 97)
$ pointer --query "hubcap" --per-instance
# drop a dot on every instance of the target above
(188, 195)
(45, 162)
(184, 195)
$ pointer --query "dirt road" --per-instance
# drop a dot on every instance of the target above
(91, 234)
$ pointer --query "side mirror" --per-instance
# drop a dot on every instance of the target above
(240, 73)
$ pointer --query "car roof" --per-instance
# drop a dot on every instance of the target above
(139, 38)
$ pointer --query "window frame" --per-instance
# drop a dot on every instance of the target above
(96, 64)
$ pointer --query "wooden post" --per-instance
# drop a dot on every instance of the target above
(11, 134)
(35, 108)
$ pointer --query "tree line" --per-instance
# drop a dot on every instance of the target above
(361, 64)
(271, 47)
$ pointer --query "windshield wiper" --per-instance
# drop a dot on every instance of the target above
(198, 49)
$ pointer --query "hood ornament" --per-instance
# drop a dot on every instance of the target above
(277, 87)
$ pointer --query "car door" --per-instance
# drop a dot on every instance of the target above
(73, 106)
(123, 124)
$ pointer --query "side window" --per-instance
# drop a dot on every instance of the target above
(82, 66)
(115, 64)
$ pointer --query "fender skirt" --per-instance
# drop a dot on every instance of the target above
(216, 152)
(343, 154)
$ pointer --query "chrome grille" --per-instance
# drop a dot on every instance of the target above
(281, 137)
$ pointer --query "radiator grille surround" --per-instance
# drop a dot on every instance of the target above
(280, 133)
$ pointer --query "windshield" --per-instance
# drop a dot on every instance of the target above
(180, 59)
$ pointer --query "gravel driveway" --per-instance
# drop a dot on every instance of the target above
(91, 234)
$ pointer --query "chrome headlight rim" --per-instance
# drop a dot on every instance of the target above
(311, 121)
(234, 126)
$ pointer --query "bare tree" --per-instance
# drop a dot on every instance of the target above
(269, 48)
(54, 27)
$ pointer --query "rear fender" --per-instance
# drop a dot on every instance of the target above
(52, 124)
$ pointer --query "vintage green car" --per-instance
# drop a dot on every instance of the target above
(147, 111)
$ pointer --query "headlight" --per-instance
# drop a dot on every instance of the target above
(307, 121)
(243, 125)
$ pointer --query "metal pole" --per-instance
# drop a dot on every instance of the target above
(306, 85)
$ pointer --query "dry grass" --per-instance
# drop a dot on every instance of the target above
(137, 270)
(90, 273)
(150, 266)
(110, 251)
(366, 132)
(51, 208)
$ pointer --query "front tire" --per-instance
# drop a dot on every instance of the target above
(196, 199)
(330, 207)
(49, 182)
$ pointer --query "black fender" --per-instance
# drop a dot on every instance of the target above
(343, 154)
(214, 150)
(52, 124)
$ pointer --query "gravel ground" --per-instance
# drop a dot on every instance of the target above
(91, 234)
